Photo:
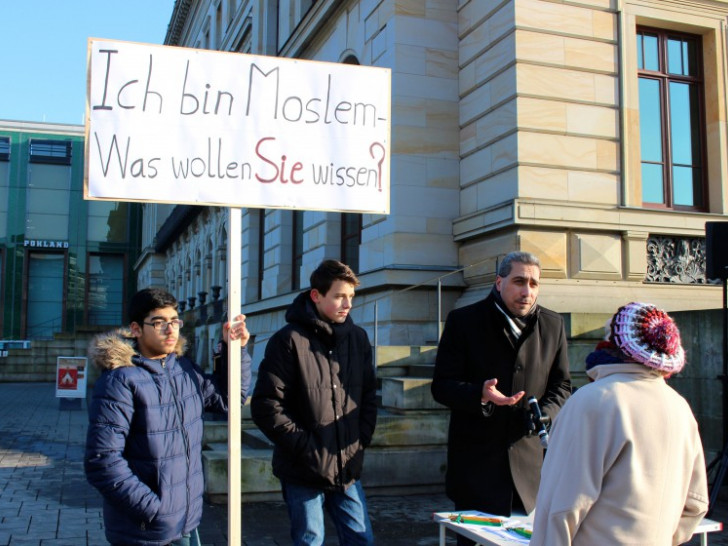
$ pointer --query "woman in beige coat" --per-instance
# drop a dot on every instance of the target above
(625, 463)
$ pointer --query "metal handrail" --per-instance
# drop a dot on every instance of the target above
(439, 279)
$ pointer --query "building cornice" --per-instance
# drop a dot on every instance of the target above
(177, 22)
(544, 214)
(38, 127)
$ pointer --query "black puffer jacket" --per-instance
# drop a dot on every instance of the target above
(315, 398)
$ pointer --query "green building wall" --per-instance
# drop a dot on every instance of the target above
(124, 230)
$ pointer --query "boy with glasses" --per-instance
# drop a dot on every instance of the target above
(144, 442)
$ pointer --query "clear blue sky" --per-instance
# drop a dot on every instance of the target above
(44, 46)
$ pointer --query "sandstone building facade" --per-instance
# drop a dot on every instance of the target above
(590, 132)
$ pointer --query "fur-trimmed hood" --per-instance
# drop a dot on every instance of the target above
(144, 440)
(117, 348)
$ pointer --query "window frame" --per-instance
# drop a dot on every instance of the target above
(261, 251)
(701, 192)
(87, 288)
(346, 236)
(4, 148)
(25, 299)
(297, 250)
(57, 152)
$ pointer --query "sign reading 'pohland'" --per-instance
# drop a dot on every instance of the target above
(177, 125)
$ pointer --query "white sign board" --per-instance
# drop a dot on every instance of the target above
(187, 126)
(71, 376)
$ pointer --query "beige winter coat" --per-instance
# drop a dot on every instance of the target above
(625, 465)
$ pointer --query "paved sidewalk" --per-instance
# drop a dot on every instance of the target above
(46, 501)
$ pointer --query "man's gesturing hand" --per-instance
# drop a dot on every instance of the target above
(491, 394)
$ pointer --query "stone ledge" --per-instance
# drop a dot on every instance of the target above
(384, 468)
(405, 355)
(425, 428)
(408, 393)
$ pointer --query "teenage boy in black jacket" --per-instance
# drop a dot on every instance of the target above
(315, 398)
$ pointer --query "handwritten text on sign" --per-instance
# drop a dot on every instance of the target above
(177, 125)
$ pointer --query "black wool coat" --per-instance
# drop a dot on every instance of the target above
(488, 456)
(315, 398)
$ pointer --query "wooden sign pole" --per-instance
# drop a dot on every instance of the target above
(234, 255)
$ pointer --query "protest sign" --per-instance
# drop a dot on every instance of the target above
(188, 126)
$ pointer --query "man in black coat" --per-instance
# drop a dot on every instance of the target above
(493, 355)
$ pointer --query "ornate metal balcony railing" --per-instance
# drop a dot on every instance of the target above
(679, 260)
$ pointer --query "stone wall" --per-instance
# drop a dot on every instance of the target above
(698, 383)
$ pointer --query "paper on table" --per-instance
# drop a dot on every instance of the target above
(505, 531)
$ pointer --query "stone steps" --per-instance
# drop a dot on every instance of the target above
(409, 449)
(393, 428)
(388, 355)
(37, 363)
(255, 439)
(403, 394)
(408, 453)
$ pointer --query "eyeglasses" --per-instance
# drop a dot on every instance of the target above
(162, 325)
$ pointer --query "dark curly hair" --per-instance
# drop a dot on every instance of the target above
(147, 300)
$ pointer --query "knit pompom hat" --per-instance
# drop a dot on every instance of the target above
(647, 335)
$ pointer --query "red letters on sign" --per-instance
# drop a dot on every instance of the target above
(278, 172)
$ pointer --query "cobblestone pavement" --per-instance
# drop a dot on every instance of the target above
(46, 501)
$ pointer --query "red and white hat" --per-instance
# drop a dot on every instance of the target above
(649, 336)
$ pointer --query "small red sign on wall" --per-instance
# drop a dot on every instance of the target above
(71, 377)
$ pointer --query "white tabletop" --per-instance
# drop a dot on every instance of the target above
(483, 534)
(500, 536)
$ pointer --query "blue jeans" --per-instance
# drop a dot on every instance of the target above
(348, 509)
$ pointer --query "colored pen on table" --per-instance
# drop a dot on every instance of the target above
(521, 531)
(476, 520)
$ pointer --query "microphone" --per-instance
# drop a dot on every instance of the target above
(543, 434)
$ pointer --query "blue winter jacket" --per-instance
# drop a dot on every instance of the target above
(144, 443)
